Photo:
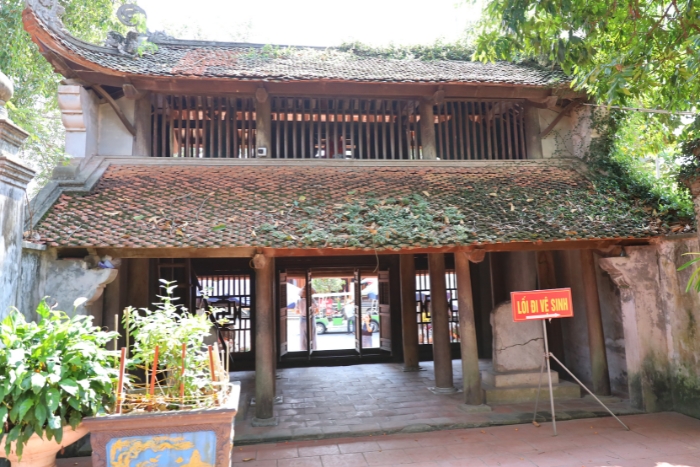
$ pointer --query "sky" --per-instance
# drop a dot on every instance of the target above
(313, 22)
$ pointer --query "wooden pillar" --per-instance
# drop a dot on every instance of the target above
(596, 339)
(442, 357)
(532, 133)
(409, 320)
(520, 270)
(142, 122)
(427, 129)
(547, 279)
(264, 341)
(263, 122)
(471, 375)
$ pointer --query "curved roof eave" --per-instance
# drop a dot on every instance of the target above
(211, 61)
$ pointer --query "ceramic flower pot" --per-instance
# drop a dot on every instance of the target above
(197, 438)
(42, 453)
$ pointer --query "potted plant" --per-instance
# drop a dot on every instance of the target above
(180, 406)
(53, 373)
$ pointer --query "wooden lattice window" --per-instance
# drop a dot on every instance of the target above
(423, 309)
(476, 130)
(321, 128)
(216, 127)
(335, 128)
(229, 297)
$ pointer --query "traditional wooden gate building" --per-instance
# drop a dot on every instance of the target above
(309, 191)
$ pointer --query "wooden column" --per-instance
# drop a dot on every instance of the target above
(264, 340)
(532, 133)
(596, 339)
(547, 279)
(263, 121)
(409, 320)
(520, 271)
(427, 129)
(143, 125)
(442, 357)
(473, 394)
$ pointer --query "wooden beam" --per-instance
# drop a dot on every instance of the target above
(105, 95)
(248, 252)
(130, 92)
(477, 255)
(567, 110)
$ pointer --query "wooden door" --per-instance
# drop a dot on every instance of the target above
(384, 311)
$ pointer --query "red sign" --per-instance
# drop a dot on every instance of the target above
(542, 304)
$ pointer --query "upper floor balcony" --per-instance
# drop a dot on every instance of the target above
(336, 128)
(208, 100)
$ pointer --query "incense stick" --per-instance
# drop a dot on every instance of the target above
(182, 375)
(211, 364)
(120, 385)
(152, 389)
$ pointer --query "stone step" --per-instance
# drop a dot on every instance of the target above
(515, 394)
(516, 378)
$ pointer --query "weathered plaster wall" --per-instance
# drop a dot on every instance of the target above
(32, 280)
(574, 330)
(571, 136)
(114, 139)
(660, 325)
(683, 319)
(62, 281)
(13, 182)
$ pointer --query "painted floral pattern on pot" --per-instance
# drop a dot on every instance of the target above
(196, 449)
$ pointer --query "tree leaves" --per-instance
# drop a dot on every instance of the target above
(34, 105)
(627, 51)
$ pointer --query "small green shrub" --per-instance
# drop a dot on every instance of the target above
(52, 373)
(169, 327)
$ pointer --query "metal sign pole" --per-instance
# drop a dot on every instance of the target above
(548, 304)
(547, 356)
(549, 377)
(589, 392)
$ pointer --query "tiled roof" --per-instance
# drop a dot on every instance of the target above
(141, 206)
(252, 62)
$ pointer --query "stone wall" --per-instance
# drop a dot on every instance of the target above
(62, 281)
(660, 322)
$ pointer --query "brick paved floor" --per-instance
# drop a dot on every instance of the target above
(359, 400)
(656, 440)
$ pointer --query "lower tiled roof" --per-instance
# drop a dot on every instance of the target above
(142, 206)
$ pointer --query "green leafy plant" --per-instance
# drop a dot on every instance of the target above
(168, 328)
(52, 373)
(694, 280)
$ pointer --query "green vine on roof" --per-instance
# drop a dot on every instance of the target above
(439, 50)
